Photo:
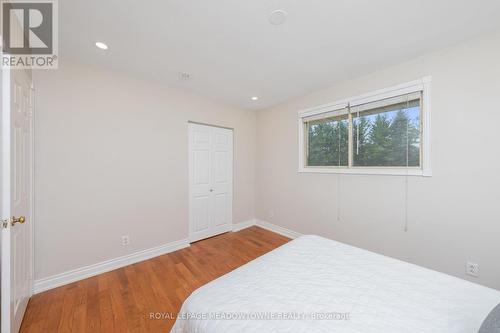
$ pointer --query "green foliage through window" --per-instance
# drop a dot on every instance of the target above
(329, 142)
(387, 136)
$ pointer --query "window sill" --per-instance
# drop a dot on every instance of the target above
(369, 171)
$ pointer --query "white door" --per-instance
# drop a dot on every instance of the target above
(210, 181)
(17, 197)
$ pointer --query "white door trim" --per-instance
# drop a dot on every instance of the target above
(221, 229)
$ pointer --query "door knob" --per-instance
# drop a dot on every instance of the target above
(20, 219)
(211, 190)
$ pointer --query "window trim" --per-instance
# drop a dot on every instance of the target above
(422, 85)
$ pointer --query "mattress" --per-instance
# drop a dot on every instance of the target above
(313, 284)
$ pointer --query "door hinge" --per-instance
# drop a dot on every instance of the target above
(5, 224)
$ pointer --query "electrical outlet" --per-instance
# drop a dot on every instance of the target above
(125, 240)
(472, 269)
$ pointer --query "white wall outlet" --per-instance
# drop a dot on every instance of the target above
(472, 269)
(125, 240)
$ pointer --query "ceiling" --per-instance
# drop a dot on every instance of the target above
(233, 52)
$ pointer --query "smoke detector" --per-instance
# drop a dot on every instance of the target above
(277, 17)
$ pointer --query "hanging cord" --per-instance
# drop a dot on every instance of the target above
(407, 163)
(338, 178)
(338, 196)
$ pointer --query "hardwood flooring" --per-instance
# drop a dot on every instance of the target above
(124, 299)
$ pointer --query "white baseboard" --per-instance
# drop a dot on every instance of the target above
(268, 226)
(106, 266)
(243, 225)
(277, 229)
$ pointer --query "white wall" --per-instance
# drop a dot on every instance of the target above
(453, 216)
(112, 160)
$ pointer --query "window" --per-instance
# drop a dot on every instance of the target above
(328, 141)
(386, 132)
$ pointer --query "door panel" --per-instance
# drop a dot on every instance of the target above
(220, 167)
(17, 193)
(202, 172)
(221, 209)
(210, 178)
(201, 213)
(16, 162)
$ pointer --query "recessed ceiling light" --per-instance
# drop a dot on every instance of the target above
(278, 17)
(101, 45)
(255, 98)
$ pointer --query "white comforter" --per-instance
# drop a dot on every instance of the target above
(320, 285)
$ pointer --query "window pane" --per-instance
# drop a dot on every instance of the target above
(387, 136)
(327, 142)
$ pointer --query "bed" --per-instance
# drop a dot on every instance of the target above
(314, 284)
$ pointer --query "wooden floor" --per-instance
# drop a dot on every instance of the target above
(123, 300)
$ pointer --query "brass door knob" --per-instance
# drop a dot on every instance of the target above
(20, 219)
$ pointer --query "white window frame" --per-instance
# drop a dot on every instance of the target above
(422, 85)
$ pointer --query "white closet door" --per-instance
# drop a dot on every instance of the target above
(210, 181)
